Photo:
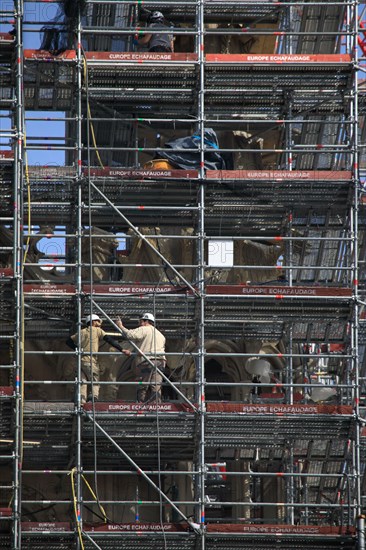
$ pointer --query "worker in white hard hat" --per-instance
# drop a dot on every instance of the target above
(151, 343)
(90, 339)
(157, 42)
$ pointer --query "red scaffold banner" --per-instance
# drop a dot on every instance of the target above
(280, 175)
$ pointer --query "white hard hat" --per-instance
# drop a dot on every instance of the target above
(90, 318)
(155, 16)
(148, 317)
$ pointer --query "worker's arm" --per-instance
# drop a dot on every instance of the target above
(111, 341)
(135, 334)
(119, 323)
(70, 342)
(145, 39)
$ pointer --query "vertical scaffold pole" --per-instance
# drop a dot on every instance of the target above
(353, 24)
(201, 276)
(78, 458)
(18, 273)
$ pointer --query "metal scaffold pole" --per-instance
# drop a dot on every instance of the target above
(78, 493)
(353, 21)
(18, 266)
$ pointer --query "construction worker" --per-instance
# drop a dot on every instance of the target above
(90, 339)
(151, 343)
(159, 42)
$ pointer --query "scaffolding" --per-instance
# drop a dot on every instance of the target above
(220, 187)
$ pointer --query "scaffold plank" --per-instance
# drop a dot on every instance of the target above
(144, 536)
(307, 61)
(44, 55)
(6, 391)
(279, 409)
(279, 292)
(140, 527)
(138, 57)
(139, 408)
(275, 424)
(6, 156)
(280, 175)
(244, 290)
(6, 272)
(6, 40)
(140, 174)
(46, 527)
(270, 529)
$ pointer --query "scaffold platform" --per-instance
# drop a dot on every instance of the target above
(137, 427)
(276, 423)
(325, 311)
(166, 198)
(145, 536)
(170, 79)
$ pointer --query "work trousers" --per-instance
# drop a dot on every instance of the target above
(160, 49)
(151, 391)
(87, 371)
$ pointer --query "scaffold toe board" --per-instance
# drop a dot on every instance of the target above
(6, 157)
(6, 39)
(95, 59)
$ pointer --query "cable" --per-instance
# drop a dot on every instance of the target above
(90, 126)
(22, 331)
(27, 179)
(76, 511)
(96, 498)
(164, 264)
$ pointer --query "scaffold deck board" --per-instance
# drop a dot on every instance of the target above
(275, 423)
(6, 157)
(147, 536)
(44, 55)
(93, 58)
(237, 312)
(136, 428)
(218, 10)
(130, 173)
(227, 195)
(6, 273)
(144, 542)
(307, 61)
(6, 420)
(112, 74)
(244, 290)
(178, 528)
(6, 39)
(299, 176)
(226, 198)
(39, 174)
